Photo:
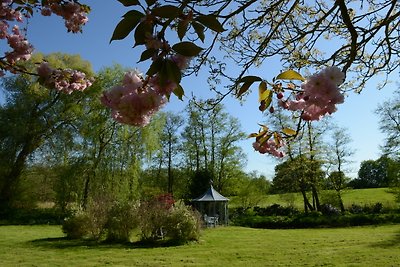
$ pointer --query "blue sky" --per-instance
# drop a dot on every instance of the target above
(48, 35)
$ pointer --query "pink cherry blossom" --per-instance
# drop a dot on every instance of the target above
(319, 96)
(63, 80)
(270, 147)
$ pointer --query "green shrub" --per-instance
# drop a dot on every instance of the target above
(183, 224)
(76, 227)
(122, 219)
(152, 220)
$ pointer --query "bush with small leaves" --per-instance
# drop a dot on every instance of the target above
(122, 220)
(183, 224)
(329, 210)
(76, 227)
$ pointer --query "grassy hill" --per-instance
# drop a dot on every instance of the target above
(351, 196)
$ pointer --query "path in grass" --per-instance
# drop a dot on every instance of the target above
(224, 246)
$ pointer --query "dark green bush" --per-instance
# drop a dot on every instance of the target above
(277, 210)
(33, 216)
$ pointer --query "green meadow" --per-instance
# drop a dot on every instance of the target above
(361, 197)
(221, 246)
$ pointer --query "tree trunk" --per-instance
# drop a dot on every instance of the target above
(11, 180)
(307, 205)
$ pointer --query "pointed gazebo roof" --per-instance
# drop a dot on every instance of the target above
(211, 195)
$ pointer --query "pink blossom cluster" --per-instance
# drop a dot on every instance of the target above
(270, 147)
(135, 101)
(21, 48)
(74, 14)
(63, 80)
(138, 99)
(319, 96)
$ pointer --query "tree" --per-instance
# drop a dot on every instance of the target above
(210, 143)
(297, 174)
(338, 157)
(389, 124)
(382, 172)
(310, 147)
(249, 33)
(31, 117)
(170, 146)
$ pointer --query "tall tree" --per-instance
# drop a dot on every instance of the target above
(389, 124)
(30, 117)
(308, 146)
(382, 172)
(210, 143)
(339, 155)
(170, 149)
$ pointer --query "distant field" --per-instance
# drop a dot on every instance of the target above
(223, 246)
(352, 196)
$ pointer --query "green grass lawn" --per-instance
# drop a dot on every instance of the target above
(224, 246)
(351, 196)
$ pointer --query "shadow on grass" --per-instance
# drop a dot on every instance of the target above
(66, 243)
(393, 242)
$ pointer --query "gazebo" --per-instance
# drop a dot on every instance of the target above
(213, 207)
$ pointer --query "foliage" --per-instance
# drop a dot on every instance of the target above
(183, 224)
(76, 227)
(389, 114)
(331, 218)
(251, 190)
(33, 118)
(122, 219)
(275, 210)
(382, 172)
(155, 219)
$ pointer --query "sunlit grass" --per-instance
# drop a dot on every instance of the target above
(361, 197)
(223, 246)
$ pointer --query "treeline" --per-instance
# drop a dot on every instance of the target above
(67, 149)
(63, 149)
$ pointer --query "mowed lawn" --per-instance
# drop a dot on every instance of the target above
(360, 197)
(222, 246)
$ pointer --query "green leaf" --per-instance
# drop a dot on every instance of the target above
(199, 29)
(130, 20)
(179, 92)
(250, 79)
(290, 75)
(167, 11)
(187, 49)
(289, 131)
(155, 67)
(182, 29)
(210, 22)
(243, 89)
(264, 94)
(148, 53)
(129, 2)
(143, 30)
(173, 72)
